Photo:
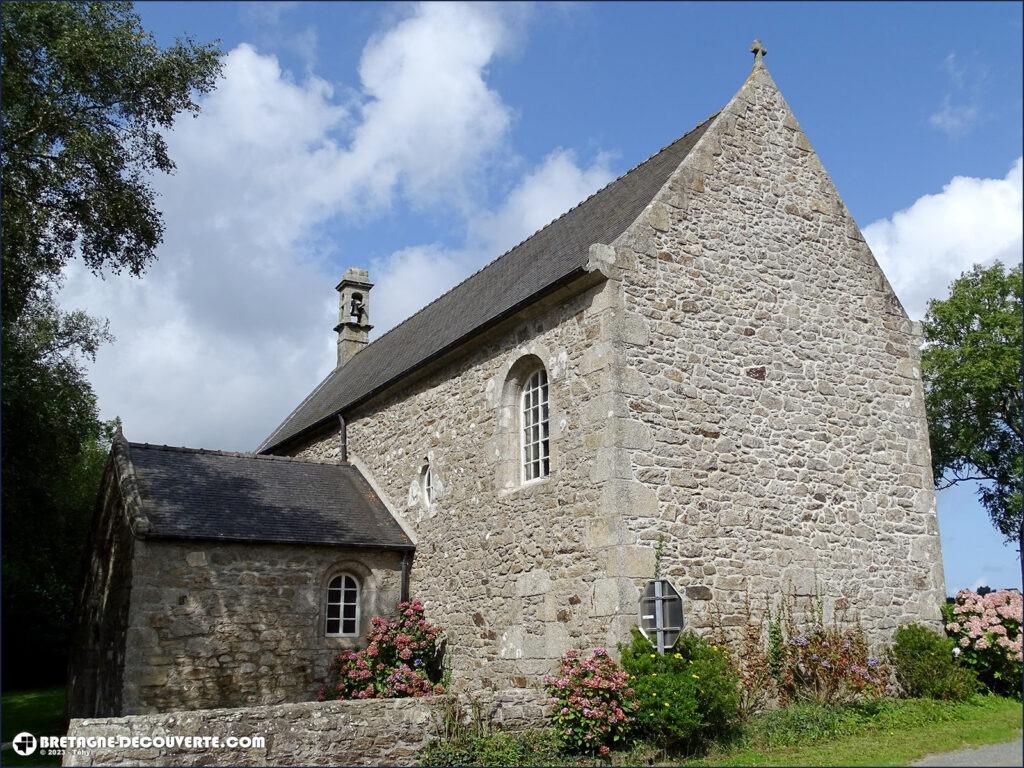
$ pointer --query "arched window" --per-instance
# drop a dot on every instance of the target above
(536, 443)
(343, 605)
(427, 485)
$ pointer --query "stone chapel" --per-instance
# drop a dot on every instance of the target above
(703, 353)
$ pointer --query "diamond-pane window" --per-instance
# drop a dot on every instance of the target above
(535, 439)
(343, 606)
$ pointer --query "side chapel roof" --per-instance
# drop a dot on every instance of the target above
(189, 493)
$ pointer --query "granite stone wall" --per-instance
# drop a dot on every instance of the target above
(741, 382)
(366, 732)
(217, 624)
(515, 573)
(782, 447)
(96, 666)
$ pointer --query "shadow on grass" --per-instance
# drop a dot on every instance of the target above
(39, 712)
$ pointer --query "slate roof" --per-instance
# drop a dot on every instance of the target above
(533, 268)
(188, 493)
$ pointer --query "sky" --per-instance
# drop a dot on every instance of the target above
(422, 141)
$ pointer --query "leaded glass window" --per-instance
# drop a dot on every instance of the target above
(535, 439)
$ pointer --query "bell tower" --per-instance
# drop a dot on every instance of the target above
(353, 326)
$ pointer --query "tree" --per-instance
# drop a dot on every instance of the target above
(972, 377)
(86, 94)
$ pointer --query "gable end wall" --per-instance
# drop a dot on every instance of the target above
(744, 384)
(782, 406)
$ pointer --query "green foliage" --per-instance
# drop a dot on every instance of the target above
(688, 696)
(38, 711)
(877, 732)
(972, 378)
(402, 658)
(594, 702)
(809, 722)
(925, 665)
(659, 555)
(537, 747)
(85, 94)
(987, 632)
(776, 656)
(830, 665)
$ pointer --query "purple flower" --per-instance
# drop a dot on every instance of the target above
(872, 663)
(800, 640)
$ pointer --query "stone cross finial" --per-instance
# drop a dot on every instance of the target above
(757, 48)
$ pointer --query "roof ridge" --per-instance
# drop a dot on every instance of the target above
(530, 237)
(236, 454)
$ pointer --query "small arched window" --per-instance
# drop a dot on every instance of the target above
(536, 443)
(343, 606)
(427, 484)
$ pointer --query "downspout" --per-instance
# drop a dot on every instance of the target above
(343, 432)
(406, 567)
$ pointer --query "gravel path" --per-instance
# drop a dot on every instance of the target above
(1010, 753)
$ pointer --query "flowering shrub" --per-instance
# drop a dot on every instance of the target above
(402, 658)
(594, 703)
(926, 666)
(757, 658)
(687, 696)
(987, 632)
(829, 665)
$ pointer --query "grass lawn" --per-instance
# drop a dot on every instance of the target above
(40, 712)
(895, 734)
(887, 732)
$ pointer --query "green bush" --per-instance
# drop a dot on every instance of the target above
(687, 697)
(808, 722)
(987, 632)
(594, 703)
(538, 747)
(925, 665)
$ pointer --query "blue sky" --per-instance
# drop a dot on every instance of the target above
(422, 141)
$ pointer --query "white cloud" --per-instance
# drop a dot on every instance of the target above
(412, 277)
(545, 193)
(972, 221)
(431, 119)
(954, 120)
(960, 108)
(230, 328)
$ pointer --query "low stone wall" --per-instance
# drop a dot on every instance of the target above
(368, 732)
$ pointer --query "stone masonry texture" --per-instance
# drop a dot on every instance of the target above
(780, 442)
(510, 571)
(97, 665)
(216, 624)
(366, 732)
(737, 379)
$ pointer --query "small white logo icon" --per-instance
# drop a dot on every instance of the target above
(24, 744)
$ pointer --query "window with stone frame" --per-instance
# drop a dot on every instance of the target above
(427, 484)
(535, 427)
(343, 606)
